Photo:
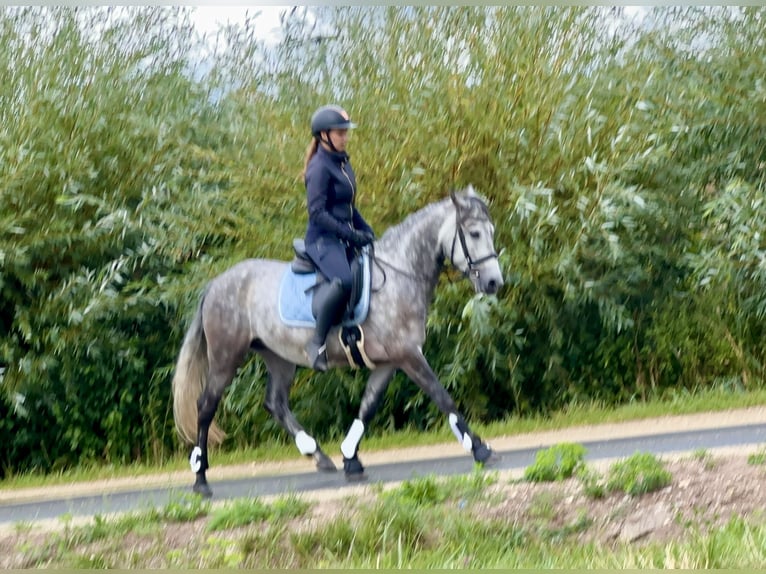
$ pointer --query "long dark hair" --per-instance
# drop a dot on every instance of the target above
(310, 151)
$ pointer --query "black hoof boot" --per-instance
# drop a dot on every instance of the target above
(324, 463)
(353, 469)
(485, 455)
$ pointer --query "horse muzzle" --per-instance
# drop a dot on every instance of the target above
(486, 278)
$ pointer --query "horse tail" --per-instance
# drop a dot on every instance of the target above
(189, 380)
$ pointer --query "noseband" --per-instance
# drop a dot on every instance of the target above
(473, 264)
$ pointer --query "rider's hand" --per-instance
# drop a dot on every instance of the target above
(369, 237)
(362, 238)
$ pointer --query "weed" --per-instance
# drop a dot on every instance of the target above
(335, 538)
(592, 482)
(704, 457)
(757, 458)
(239, 512)
(221, 553)
(23, 527)
(96, 530)
(287, 507)
(184, 507)
(555, 463)
(543, 506)
(638, 474)
(580, 524)
(146, 522)
(426, 491)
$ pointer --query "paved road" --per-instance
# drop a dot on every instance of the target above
(731, 436)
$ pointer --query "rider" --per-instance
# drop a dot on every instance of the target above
(335, 226)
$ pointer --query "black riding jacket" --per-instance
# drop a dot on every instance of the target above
(330, 191)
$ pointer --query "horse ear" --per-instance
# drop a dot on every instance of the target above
(460, 199)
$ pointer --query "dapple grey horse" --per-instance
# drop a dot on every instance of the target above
(238, 313)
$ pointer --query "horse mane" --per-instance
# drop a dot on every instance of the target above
(412, 219)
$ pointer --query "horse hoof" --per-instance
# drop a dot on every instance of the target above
(323, 462)
(353, 469)
(485, 456)
(203, 490)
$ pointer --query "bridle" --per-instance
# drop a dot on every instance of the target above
(473, 264)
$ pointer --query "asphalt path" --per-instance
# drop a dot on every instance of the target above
(80, 506)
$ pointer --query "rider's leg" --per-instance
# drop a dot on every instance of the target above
(330, 300)
(333, 299)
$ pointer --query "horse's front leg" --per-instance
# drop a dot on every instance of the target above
(417, 368)
(373, 393)
(281, 374)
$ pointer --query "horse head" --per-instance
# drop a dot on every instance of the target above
(469, 241)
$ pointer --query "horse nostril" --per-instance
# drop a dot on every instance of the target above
(492, 286)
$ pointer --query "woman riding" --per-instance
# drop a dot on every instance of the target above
(335, 226)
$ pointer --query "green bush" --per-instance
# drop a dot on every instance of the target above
(557, 462)
(638, 474)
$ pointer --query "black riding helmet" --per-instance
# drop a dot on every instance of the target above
(330, 117)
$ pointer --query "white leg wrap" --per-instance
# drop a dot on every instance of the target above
(195, 460)
(351, 442)
(305, 443)
(461, 437)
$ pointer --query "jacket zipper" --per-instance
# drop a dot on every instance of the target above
(353, 194)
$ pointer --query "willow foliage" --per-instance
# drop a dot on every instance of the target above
(623, 159)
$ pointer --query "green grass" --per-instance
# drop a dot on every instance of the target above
(415, 525)
(579, 414)
(244, 511)
(757, 458)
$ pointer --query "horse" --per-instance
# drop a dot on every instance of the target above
(237, 314)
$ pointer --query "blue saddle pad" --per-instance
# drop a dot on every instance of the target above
(296, 295)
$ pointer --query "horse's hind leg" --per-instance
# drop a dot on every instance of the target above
(281, 375)
(218, 379)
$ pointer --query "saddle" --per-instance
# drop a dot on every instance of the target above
(303, 265)
(300, 293)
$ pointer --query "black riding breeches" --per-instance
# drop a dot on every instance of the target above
(332, 260)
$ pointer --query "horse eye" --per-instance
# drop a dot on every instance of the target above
(475, 234)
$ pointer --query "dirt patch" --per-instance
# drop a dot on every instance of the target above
(705, 492)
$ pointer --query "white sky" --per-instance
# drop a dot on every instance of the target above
(208, 19)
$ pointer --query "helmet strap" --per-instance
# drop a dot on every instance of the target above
(328, 141)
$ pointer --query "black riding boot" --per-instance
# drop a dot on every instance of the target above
(327, 304)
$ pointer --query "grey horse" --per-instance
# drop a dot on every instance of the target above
(238, 313)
